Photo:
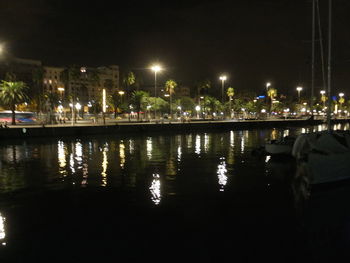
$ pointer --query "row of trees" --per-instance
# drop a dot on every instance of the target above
(14, 93)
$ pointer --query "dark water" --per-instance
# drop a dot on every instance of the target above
(201, 197)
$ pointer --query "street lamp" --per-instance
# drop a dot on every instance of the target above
(341, 100)
(104, 105)
(198, 108)
(78, 107)
(222, 78)
(121, 93)
(155, 68)
(299, 89)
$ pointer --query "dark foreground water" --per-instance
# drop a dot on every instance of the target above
(199, 197)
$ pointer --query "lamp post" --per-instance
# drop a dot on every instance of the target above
(299, 89)
(341, 100)
(323, 98)
(156, 69)
(222, 78)
(78, 107)
(104, 105)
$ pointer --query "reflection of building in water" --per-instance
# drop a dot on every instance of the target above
(149, 148)
(62, 163)
(155, 189)
(170, 167)
(122, 154)
(222, 174)
(104, 165)
(2, 229)
(198, 144)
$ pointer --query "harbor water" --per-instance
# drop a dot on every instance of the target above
(172, 197)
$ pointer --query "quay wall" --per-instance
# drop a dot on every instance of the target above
(22, 132)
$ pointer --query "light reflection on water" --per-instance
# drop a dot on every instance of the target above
(183, 159)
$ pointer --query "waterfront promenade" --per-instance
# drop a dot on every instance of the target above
(82, 128)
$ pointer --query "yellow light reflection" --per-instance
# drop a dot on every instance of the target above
(2, 228)
(155, 189)
(222, 174)
(104, 166)
(122, 154)
(149, 148)
(198, 145)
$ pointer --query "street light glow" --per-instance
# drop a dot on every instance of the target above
(341, 94)
(223, 77)
(156, 68)
(323, 92)
(299, 88)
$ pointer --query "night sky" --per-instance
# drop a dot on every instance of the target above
(251, 41)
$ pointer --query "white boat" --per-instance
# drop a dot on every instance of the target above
(323, 157)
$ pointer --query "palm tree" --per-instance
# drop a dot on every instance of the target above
(271, 93)
(12, 93)
(137, 100)
(170, 87)
(230, 94)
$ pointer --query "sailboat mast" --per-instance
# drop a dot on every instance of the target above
(312, 58)
(329, 65)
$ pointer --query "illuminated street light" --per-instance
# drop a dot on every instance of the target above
(121, 93)
(104, 105)
(299, 89)
(222, 78)
(156, 69)
(198, 108)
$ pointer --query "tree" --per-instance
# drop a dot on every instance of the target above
(138, 101)
(13, 93)
(230, 94)
(271, 93)
(203, 86)
(129, 79)
(170, 86)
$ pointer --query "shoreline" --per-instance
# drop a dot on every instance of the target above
(30, 131)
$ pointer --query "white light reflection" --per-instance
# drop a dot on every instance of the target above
(61, 151)
(122, 154)
(155, 189)
(242, 144)
(198, 145)
(232, 139)
(149, 148)
(2, 228)
(206, 142)
(221, 172)
(71, 163)
(268, 157)
(79, 155)
(285, 133)
(131, 146)
(104, 165)
(179, 153)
